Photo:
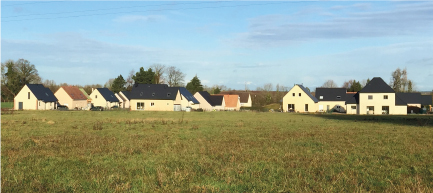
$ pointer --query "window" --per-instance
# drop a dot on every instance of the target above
(385, 110)
(167, 103)
(140, 106)
(385, 96)
(306, 107)
(39, 103)
(353, 107)
(96, 96)
(370, 97)
(370, 110)
(153, 94)
(338, 106)
(321, 97)
(28, 95)
(152, 104)
(291, 107)
(299, 94)
(293, 94)
(168, 94)
(338, 97)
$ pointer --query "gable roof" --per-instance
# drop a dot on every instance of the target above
(426, 99)
(107, 94)
(244, 96)
(331, 94)
(153, 91)
(231, 100)
(399, 101)
(352, 98)
(188, 95)
(74, 92)
(42, 93)
(377, 85)
(217, 100)
(84, 93)
(306, 92)
(411, 98)
(126, 94)
(206, 97)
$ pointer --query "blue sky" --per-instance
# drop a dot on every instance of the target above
(226, 42)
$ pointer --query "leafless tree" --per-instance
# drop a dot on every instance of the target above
(109, 83)
(159, 70)
(329, 84)
(175, 77)
(129, 80)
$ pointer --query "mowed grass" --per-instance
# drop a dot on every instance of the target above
(7, 105)
(122, 151)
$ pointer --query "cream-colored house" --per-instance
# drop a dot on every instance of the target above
(244, 97)
(104, 97)
(160, 97)
(299, 99)
(376, 98)
(209, 102)
(124, 95)
(72, 97)
(231, 102)
(35, 97)
(331, 99)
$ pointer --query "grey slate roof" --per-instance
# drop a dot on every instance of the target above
(217, 100)
(352, 98)
(399, 101)
(243, 96)
(42, 93)
(377, 85)
(107, 94)
(330, 94)
(206, 97)
(126, 93)
(153, 91)
(426, 99)
(308, 93)
(411, 98)
(188, 95)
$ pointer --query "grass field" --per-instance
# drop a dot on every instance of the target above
(7, 105)
(118, 151)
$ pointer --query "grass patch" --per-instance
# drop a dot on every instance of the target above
(121, 151)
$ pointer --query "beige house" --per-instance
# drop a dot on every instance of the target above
(124, 95)
(104, 97)
(209, 102)
(331, 99)
(231, 102)
(35, 97)
(244, 97)
(299, 99)
(160, 97)
(72, 97)
(376, 98)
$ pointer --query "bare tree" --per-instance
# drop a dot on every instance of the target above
(267, 87)
(129, 80)
(159, 70)
(399, 81)
(51, 85)
(109, 83)
(175, 77)
(329, 84)
(404, 80)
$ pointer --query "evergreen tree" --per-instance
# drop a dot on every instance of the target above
(194, 85)
(217, 90)
(118, 84)
(144, 77)
(355, 87)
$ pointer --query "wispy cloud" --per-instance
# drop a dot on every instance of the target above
(280, 30)
(139, 18)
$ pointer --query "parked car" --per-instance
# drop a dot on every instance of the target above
(114, 107)
(62, 107)
(97, 108)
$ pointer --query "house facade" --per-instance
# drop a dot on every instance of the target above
(299, 99)
(72, 97)
(244, 97)
(104, 97)
(125, 97)
(35, 97)
(331, 99)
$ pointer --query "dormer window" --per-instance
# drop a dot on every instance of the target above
(338, 97)
(321, 97)
(168, 94)
(153, 94)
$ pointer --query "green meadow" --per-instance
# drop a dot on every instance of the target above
(122, 151)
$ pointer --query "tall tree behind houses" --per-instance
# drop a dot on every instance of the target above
(144, 77)
(194, 85)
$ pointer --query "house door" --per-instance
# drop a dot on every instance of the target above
(320, 108)
(306, 107)
(20, 105)
(177, 108)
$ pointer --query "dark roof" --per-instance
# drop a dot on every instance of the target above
(107, 94)
(399, 101)
(377, 85)
(187, 95)
(217, 100)
(153, 91)
(127, 94)
(426, 99)
(308, 93)
(206, 97)
(331, 94)
(42, 93)
(352, 98)
(411, 98)
(243, 95)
